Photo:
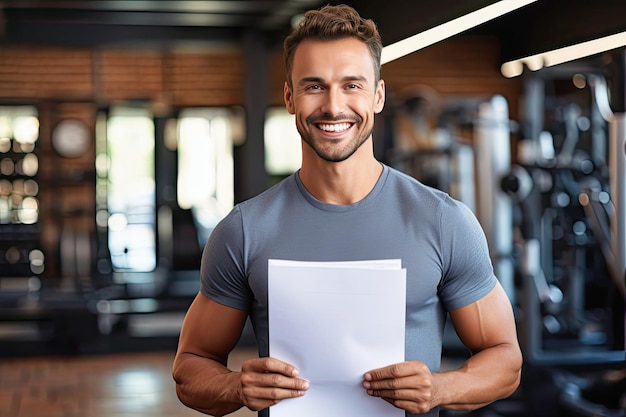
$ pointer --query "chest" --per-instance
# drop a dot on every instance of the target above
(351, 238)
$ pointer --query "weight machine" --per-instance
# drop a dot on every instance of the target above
(554, 214)
(569, 191)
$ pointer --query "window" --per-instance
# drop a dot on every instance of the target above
(205, 183)
(131, 190)
(283, 152)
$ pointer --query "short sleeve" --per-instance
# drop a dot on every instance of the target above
(468, 272)
(222, 271)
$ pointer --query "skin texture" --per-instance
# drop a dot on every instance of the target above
(334, 99)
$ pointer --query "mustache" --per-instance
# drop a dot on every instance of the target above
(321, 118)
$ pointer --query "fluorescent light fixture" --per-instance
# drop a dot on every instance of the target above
(559, 56)
(448, 29)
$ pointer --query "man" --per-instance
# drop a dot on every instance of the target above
(344, 205)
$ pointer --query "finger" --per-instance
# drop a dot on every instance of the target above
(258, 397)
(272, 393)
(402, 395)
(256, 404)
(271, 365)
(398, 370)
(268, 395)
(271, 380)
(421, 382)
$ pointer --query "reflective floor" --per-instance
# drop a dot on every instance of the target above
(140, 385)
(116, 385)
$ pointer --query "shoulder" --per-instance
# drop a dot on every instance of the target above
(400, 179)
(449, 216)
(409, 190)
(259, 212)
(272, 198)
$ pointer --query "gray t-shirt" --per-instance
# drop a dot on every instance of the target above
(438, 239)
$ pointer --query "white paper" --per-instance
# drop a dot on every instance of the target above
(335, 321)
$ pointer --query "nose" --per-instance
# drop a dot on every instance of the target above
(333, 103)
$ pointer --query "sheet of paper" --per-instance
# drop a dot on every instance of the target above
(335, 321)
(369, 264)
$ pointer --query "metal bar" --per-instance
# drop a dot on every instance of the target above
(617, 179)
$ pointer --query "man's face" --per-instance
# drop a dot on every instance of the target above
(334, 96)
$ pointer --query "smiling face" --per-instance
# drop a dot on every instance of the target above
(334, 96)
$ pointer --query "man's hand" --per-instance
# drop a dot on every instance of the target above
(492, 372)
(266, 381)
(407, 385)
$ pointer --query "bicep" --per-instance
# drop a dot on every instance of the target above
(487, 322)
(211, 329)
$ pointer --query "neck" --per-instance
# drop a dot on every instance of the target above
(345, 182)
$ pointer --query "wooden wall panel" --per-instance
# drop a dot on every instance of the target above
(205, 79)
(128, 74)
(44, 73)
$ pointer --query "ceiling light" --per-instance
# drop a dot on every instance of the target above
(559, 56)
(448, 29)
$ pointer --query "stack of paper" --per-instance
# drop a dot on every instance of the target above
(335, 321)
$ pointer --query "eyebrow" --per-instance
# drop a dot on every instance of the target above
(306, 80)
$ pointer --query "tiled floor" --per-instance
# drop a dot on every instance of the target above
(117, 385)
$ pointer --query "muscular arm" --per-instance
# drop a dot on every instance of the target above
(487, 328)
(203, 382)
(209, 332)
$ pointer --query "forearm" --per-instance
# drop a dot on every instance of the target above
(206, 385)
(485, 377)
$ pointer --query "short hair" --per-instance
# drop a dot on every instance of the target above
(332, 23)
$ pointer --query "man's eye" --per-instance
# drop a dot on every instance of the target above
(314, 87)
(352, 86)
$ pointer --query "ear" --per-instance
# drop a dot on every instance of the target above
(288, 97)
(379, 100)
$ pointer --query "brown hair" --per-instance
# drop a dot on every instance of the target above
(331, 23)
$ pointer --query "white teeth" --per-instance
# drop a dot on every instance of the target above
(339, 127)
